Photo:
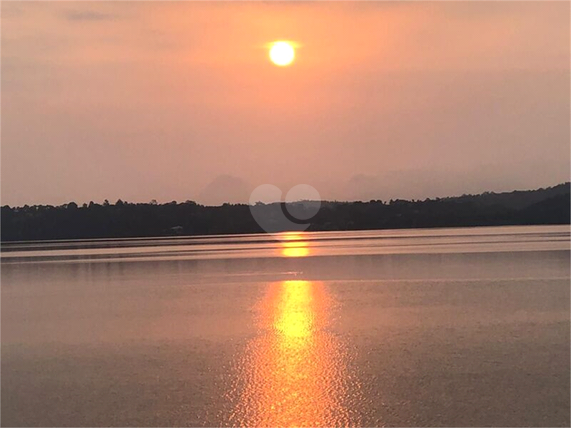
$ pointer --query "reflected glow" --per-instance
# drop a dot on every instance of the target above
(294, 373)
(295, 319)
(291, 236)
(295, 252)
(294, 245)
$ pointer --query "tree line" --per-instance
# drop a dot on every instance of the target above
(122, 219)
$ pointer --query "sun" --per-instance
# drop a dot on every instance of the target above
(282, 53)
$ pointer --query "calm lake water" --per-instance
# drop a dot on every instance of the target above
(438, 327)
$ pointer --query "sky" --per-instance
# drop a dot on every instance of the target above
(179, 101)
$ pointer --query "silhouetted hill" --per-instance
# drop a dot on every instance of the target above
(122, 219)
(555, 210)
(517, 199)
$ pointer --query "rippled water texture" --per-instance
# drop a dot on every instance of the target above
(440, 327)
(295, 372)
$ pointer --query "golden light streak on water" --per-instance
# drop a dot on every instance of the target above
(295, 252)
(294, 373)
(294, 245)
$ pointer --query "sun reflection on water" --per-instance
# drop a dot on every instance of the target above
(294, 245)
(295, 252)
(294, 373)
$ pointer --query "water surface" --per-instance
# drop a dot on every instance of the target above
(446, 327)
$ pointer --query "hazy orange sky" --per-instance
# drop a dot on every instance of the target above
(177, 101)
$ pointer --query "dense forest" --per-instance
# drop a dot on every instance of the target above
(121, 219)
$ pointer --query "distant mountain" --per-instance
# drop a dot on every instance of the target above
(225, 188)
(542, 206)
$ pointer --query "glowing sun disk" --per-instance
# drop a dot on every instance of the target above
(282, 53)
